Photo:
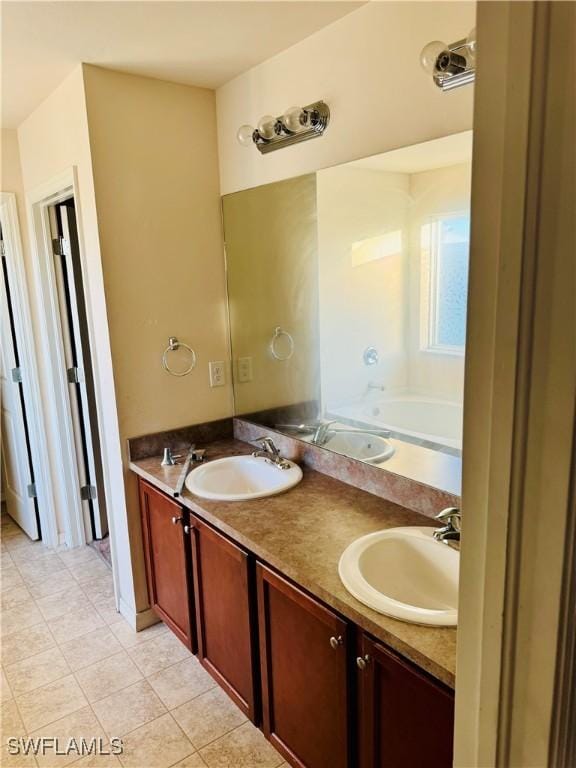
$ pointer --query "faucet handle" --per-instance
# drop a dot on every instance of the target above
(268, 444)
(450, 516)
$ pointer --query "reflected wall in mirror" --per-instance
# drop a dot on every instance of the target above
(347, 292)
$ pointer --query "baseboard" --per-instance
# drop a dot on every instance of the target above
(138, 620)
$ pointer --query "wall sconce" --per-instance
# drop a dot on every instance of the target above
(450, 65)
(295, 125)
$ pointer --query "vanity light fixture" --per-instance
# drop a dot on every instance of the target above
(450, 65)
(295, 125)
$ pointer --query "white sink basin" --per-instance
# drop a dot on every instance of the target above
(358, 445)
(404, 573)
(239, 478)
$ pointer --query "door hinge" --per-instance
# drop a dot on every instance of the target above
(60, 246)
(31, 490)
(88, 492)
(2, 249)
(17, 375)
(73, 375)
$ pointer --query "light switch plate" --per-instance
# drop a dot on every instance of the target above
(217, 373)
(244, 369)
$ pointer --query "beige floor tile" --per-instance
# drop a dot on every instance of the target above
(75, 624)
(159, 653)
(77, 556)
(108, 676)
(6, 562)
(130, 638)
(106, 607)
(10, 598)
(10, 580)
(34, 552)
(80, 725)
(56, 582)
(158, 744)
(87, 649)
(20, 541)
(128, 709)
(38, 569)
(192, 761)
(12, 727)
(181, 682)
(244, 747)
(207, 717)
(98, 761)
(20, 617)
(99, 587)
(70, 600)
(88, 571)
(26, 642)
(50, 703)
(36, 671)
(5, 690)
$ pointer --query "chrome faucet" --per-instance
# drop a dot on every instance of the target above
(271, 453)
(450, 531)
(321, 432)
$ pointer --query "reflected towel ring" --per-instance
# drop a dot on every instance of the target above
(279, 333)
(173, 345)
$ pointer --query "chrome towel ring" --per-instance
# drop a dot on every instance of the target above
(278, 335)
(173, 345)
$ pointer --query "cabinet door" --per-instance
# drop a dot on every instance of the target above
(224, 608)
(406, 719)
(166, 557)
(303, 650)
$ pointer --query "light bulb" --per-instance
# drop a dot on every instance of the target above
(471, 43)
(245, 135)
(295, 119)
(429, 55)
(267, 127)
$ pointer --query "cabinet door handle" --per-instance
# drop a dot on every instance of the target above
(186, 529)
(362, 661)
(336, 642)
(176, 520)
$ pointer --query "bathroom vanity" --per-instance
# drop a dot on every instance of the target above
(252, 588)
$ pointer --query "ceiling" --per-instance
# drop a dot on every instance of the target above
(196, 43)
(438, 153)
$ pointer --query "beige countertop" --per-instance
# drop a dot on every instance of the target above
(302, 534)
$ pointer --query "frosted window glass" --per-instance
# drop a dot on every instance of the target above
(452, 282)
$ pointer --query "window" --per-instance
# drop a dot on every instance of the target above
(445, 249)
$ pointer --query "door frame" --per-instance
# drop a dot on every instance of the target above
(27, 353)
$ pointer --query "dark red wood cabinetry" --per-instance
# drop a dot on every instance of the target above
(224, 614)
(405, 718)
(167, 566)
(303, 657)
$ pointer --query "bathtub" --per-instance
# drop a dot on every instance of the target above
(420, 418)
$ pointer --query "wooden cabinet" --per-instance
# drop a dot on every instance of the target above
(167, 563)
(225, 614)
(304, 669)
(406, 719)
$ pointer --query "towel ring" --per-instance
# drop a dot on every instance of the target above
(173, 345)
(278, 333)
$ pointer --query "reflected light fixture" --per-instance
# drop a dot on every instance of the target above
(450, 65)
(297, 124)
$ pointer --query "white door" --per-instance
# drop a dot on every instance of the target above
(19, 493)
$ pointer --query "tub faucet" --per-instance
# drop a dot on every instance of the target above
(321, 432)
(450, 531)
(271, 453)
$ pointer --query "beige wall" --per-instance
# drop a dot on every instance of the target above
(271, 251)
(155, 165)
(366, 66)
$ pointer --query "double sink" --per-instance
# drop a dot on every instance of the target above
(401, 572)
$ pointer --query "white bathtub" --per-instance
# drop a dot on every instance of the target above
(427, 419)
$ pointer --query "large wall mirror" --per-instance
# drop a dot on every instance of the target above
(347, 294)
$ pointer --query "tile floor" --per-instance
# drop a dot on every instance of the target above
(73, 667)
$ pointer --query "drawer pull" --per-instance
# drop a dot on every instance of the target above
(363, 661)
(336, 642)
(176, 520)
